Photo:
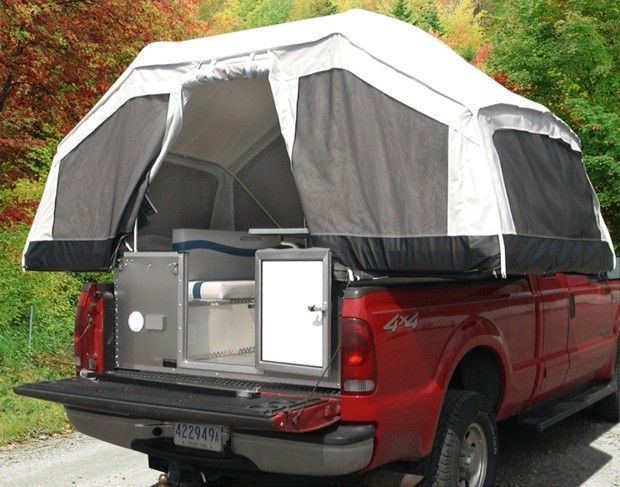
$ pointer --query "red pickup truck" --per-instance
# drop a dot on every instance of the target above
(428, 366)
(334, 255)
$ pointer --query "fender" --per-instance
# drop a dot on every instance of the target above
(474, 333)
(471, 333)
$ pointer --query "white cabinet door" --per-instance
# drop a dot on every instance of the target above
(291, 332)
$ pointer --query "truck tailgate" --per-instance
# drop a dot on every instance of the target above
(269, 410)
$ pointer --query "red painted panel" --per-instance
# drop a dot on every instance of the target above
(415, 362)
(421, 333)
(553, 354)
(591, 336)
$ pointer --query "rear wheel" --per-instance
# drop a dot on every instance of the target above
(608, 409)
(465, 448)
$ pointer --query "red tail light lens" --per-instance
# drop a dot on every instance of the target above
(88, 332)
(358, 362)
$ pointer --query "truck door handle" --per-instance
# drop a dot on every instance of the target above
(571, 305)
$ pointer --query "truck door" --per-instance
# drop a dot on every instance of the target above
(553, 332)
(590, 339)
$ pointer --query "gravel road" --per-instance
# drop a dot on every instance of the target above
(577, 452)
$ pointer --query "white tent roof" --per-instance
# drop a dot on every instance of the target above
(461, 89)
(418, 55)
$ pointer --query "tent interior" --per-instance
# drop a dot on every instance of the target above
(226, 172)
(228, 155)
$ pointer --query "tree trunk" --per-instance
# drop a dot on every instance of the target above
(6, 88)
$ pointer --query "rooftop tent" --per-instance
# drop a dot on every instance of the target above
(393, 151)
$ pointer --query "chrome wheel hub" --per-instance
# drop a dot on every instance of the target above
(473, 459)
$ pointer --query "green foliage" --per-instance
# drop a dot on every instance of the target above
(468, 52)
(598, 126)
(565, 55)
(39, 158)
(462, 22)
(22, 417)
(52, 297)
(207, 8)
(246, 14)
(426, 18)
(400, 11)
(421, 13)
(604, 172)
(556, 51)
(268, 12)
(325, 7)
(307, 9)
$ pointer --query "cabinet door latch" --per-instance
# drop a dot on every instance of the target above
(317, 308)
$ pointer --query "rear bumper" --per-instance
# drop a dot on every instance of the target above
(279, 431)
(339, 450)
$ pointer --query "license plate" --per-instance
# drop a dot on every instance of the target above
(203, 436)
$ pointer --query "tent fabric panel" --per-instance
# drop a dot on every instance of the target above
(98, 178)
(268, 176)
(366, 164)
(547, 187)
(183, 197)
(472, 201)
(43, 221)
(538, 255)
(504, 117)
(222, 120)
(337, 52)
(70, 255)
(448, 254)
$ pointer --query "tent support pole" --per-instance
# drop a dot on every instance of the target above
(135, 236)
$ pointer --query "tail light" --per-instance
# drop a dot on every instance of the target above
(88, 332)
(359, 364)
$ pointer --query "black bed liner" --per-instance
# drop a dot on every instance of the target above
(167, 402)
(217, 385)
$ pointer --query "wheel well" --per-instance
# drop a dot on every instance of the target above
(479, 371)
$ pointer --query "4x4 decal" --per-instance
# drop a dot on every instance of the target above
(397, 321)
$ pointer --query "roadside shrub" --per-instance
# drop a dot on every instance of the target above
(52, 297)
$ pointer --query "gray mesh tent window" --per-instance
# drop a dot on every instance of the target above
(395, 153)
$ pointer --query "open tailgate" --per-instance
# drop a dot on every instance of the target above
(265, 410)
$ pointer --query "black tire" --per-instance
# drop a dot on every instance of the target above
(608, 409)
(463, 412)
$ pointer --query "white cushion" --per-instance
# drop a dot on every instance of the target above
(220, 290)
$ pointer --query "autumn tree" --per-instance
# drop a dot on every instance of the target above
(232, 15)
(57, 57)
(458, 23)
(306, 9)
(462, 21)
